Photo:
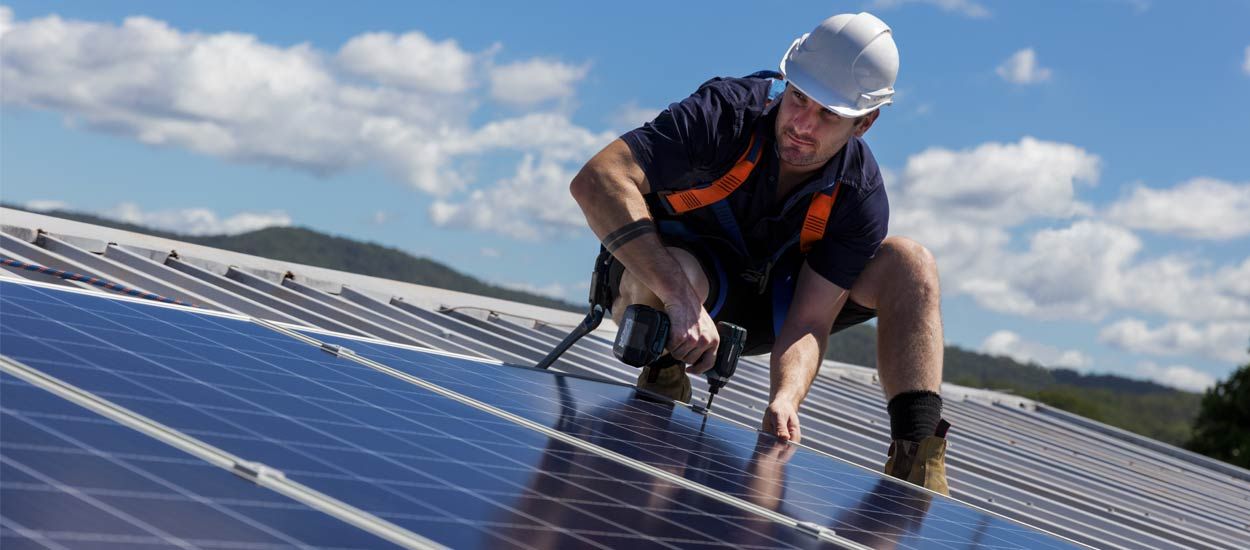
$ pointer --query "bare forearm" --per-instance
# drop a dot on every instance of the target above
(795, 362)
(608, 192)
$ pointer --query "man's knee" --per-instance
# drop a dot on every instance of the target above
(633, 291)
(901, 266)
(911, 257)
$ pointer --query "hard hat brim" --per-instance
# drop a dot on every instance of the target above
(811, 87)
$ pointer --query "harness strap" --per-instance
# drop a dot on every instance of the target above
(817, 217)
(680, 202)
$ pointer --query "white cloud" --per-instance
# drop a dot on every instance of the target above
(967, 8)
(1221, 341)
(1089, 269)
(380, 217)
(489, 252)
(196, 221)
(1010, 344)
(45, 205)
(534, 81)
(964, 206)
(1177, 376)
(1201, 208)
(533, 205)
(410, 60)
(399, 101)
(1022, 68)
(6, 19)
(1000, 184)
(1245, 66)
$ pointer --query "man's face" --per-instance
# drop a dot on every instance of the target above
(808, 135)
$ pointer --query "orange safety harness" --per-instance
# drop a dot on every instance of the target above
(680, 202)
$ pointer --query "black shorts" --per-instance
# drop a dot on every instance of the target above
(732, 299)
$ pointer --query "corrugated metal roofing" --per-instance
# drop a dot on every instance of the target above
(1062, 473)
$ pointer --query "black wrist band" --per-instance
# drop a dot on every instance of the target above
(627, 233)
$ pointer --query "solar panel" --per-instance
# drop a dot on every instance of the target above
(857, 504)
(71, 478)
(465, 475)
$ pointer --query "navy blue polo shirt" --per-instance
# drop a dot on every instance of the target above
(697, 140)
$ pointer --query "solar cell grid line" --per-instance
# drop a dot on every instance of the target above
(683, 503)
(72, 478)
(506, 387)
(445, 340)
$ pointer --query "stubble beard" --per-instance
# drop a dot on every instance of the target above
(792, 156)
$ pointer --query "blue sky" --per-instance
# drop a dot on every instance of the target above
(1078, 168)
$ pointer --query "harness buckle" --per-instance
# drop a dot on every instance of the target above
(759, 277)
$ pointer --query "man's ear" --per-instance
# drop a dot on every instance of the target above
(862, 126)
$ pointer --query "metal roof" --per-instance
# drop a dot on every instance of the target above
(1065, 474)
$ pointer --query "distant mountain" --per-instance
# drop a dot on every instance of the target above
(1140, 406)
(306, 246)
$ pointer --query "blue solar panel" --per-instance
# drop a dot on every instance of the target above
(456, 473)
(857, 504)
(71, 478)
(437, 467)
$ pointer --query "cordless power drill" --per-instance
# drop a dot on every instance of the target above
(644, 332)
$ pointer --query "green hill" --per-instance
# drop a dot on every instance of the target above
(1140, 406)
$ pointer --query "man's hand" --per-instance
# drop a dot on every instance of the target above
(782, 420)
(692, 335)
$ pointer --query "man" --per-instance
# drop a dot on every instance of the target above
(755, 201)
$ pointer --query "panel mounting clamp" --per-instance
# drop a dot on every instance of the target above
(256, 472)
(336, 350)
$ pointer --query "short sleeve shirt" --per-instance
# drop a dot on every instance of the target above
(695, 141)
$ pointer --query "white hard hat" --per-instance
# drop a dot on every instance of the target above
(848, 63)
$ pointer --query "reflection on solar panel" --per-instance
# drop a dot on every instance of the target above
(464, 452)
